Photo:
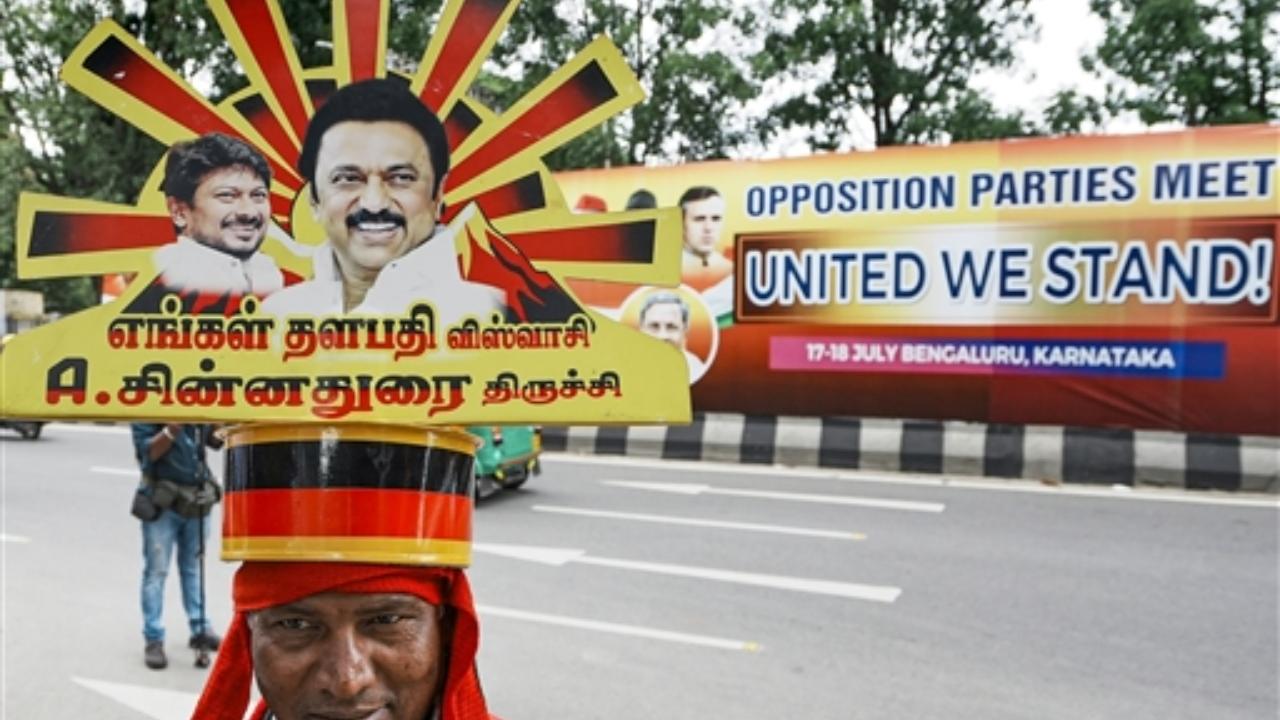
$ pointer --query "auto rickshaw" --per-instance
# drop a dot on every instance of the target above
(507, 457)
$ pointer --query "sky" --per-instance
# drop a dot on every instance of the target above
(1052, 61)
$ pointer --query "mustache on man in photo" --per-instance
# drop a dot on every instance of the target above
(362, 216)
(253, 222)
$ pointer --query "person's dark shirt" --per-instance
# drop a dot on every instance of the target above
(184, 463)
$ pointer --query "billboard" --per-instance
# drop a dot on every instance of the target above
(1111, 281)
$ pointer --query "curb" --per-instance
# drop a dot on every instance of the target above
(1097, 456)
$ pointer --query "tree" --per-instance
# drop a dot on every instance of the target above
(1192, 61)
(1070, 111)
(974, 117)
(686, 53)
(904, 64)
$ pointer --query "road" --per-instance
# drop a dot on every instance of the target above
(622, 589)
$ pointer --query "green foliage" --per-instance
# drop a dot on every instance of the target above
(309, 24)
(905, 65)
(1070, 110)
(693, 93)
(974, 117)
(409, 30)
(695, 88)
(1196, 62)
(410, 23)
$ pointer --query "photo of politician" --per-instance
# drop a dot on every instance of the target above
(376, 159)
(216, 193)
(679, 318)
(703, 265)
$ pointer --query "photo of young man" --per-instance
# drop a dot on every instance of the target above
(216, 192)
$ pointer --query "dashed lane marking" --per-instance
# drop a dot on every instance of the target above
(701, 522)
(620, 629)
(695, 489)
(559, 557)
(959, 482)
(155, 703)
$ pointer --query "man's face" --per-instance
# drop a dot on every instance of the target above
(665, 321)
(342, 656)
(229, 211)
(703, 220)
(373, 193)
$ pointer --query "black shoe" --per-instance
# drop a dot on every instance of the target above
(205, 641)
(154, 655)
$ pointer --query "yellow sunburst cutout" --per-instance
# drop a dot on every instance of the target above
(115, 361)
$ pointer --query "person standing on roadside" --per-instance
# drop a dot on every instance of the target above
(173, 500)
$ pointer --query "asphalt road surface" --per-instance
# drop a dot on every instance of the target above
(619, 589)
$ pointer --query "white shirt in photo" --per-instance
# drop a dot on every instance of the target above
(429, 272)
(189, 265)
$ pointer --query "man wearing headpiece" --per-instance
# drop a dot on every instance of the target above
(352, 602)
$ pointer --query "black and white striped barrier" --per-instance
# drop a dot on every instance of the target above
(1054, 454)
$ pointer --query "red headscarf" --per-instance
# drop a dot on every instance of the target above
(260, 585)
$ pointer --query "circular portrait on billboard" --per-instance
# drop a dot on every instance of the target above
(678, 317)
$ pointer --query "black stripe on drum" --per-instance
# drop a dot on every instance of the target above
(347, 464)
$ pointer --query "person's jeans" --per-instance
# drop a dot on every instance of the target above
(158, 540)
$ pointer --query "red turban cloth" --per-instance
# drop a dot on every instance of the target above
(260, 585)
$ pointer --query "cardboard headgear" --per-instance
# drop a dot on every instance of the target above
(478, 325)
(363, 493)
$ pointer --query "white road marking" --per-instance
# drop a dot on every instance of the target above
(1018, 485)
(701, 522)
(132, 472)
(91, 428)
(155, 703)
(544, 555)
(5, 537)
(694, 489)
(620, 629)
(561, 556)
